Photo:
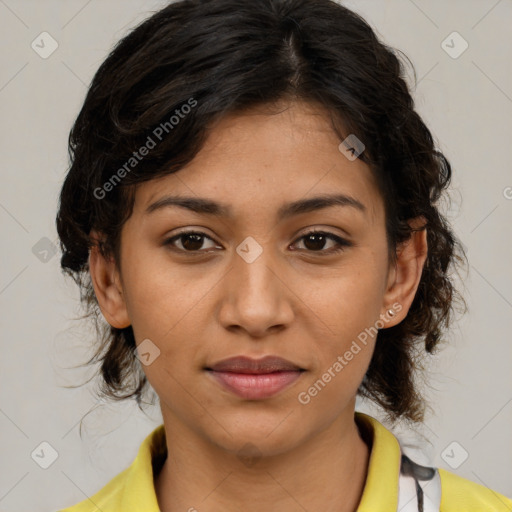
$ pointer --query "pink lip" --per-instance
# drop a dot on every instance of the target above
(256, 386)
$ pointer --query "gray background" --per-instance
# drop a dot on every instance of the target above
(467, 103)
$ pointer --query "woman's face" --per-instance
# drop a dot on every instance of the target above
(254, 283)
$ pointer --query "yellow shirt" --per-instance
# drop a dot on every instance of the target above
(133, 488)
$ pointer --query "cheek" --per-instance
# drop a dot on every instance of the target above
(166, 304)
(343, 351)
(348, 304)
(158, 294)
(349, 297)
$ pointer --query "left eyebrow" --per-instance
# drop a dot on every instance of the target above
(209, 207)
(318, 203)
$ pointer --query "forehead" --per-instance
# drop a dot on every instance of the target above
(265, 157)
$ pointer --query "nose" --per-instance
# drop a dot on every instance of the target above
(256, 298)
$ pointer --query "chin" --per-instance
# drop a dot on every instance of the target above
(265, 434)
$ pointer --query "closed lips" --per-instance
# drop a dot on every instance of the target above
(247, 365)
(255, 379)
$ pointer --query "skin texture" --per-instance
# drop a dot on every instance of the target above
(292, 301)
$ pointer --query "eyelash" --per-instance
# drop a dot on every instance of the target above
(342, 243)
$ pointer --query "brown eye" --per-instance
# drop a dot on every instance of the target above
(189, 241)
(316, 241)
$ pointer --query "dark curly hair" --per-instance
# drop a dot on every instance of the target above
(224, 56)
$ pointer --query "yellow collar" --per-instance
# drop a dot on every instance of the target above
(380, 491)
(381, 488)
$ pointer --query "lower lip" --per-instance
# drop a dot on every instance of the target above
(256, 387)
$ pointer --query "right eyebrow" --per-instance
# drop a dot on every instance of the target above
(195, 204)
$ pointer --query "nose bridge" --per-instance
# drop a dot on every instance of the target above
(254, 269)
(256, 297)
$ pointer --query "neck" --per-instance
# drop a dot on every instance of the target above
(327, 472)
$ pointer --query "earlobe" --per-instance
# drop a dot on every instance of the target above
(405, 277)
(107, 287)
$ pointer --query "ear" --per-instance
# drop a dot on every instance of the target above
(107, 286)
(404, 277)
